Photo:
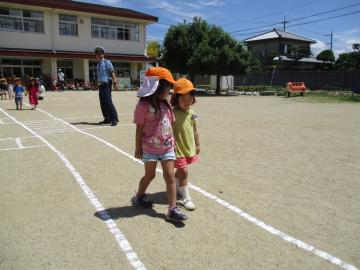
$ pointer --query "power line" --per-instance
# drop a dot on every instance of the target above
(273, 13)
(253, 28)
(314, 21)
(296, 19)
(325, 19)
(325, 12)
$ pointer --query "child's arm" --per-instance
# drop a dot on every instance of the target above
(138, 136)
(197, 138)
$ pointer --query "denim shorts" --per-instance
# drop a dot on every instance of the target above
(151, 157)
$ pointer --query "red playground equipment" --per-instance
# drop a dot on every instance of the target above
(295, 87)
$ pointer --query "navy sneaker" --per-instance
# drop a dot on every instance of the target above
(143, 201)
(175, 215)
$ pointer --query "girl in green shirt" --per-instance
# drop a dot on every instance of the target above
(187, 142)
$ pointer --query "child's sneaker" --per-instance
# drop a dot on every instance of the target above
(185, 198)
(142, 201)
(175, 215)
(188, 204)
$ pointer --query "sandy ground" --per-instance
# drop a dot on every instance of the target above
(291, 164)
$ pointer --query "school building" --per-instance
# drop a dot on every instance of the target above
(38, 37)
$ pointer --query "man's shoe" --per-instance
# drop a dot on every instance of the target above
(142, 201)
(175, 215)
(104, 122)
(114, 123)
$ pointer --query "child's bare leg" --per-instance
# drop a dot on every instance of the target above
(169, 177)
(174, 213)
(150, 168)
(182, 176)
(140, 197)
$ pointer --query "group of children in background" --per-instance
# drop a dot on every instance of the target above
(166, 132)
(14, 89)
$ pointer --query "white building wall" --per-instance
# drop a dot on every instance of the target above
(39, 41)
(51, 39)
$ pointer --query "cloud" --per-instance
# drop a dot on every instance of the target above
(318, 47)
(111, 2)
(343, 41)
(181, 10)
(212, 3)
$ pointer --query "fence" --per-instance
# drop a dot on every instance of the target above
(314, 80)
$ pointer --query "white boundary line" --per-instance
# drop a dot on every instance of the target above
(21, 148)
(64, 130)
(1, 122)
(288, 238)
(19, 143)
(112, 227)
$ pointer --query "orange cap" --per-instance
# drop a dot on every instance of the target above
(161, 73)
(183, 86)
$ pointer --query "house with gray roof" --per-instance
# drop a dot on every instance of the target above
(280, 45)
(277, 42)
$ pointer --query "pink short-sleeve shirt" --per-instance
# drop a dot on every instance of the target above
(158, 135)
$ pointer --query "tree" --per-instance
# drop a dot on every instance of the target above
(356, 47)
(180, 42)
(298, 52)
(326, 55)
(198, 48)
(153, 49)
(348, 61)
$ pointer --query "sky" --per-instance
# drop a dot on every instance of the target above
(249, 17)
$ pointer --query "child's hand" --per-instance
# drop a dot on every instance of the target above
(138, 153)
(198, 149)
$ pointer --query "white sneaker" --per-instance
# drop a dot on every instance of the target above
(188, 204)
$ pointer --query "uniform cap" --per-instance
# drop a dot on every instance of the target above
(99, 49)
(161, 73)
(183, 86)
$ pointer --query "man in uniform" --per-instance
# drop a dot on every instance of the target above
(106, 77)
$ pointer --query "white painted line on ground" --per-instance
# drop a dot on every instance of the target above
(64, 130)
(54, 98)
(112, 227)
(21, 148)
(19, 143)
(300, 244)
(1, 122)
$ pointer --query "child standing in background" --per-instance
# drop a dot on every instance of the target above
(154, 140)
(3, 88)
(19, 94)
(33, 91)
(186, 136)
(10, 88)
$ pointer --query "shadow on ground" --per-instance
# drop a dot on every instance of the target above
(85, 123)
(133, 211)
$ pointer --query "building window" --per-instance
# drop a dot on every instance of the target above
(20, 67)
(68, 25)
(108, 29)
(21, 20)
(122, 70)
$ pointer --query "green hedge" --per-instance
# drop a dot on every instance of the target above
(259, 88)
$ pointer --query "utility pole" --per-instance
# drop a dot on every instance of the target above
(331, 39)
(284, 22)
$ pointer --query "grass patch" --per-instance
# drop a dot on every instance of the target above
(323, 96)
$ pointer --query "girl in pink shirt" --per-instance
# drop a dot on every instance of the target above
(33, 90)
(154, 140)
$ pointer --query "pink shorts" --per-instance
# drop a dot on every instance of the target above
(182, 162)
